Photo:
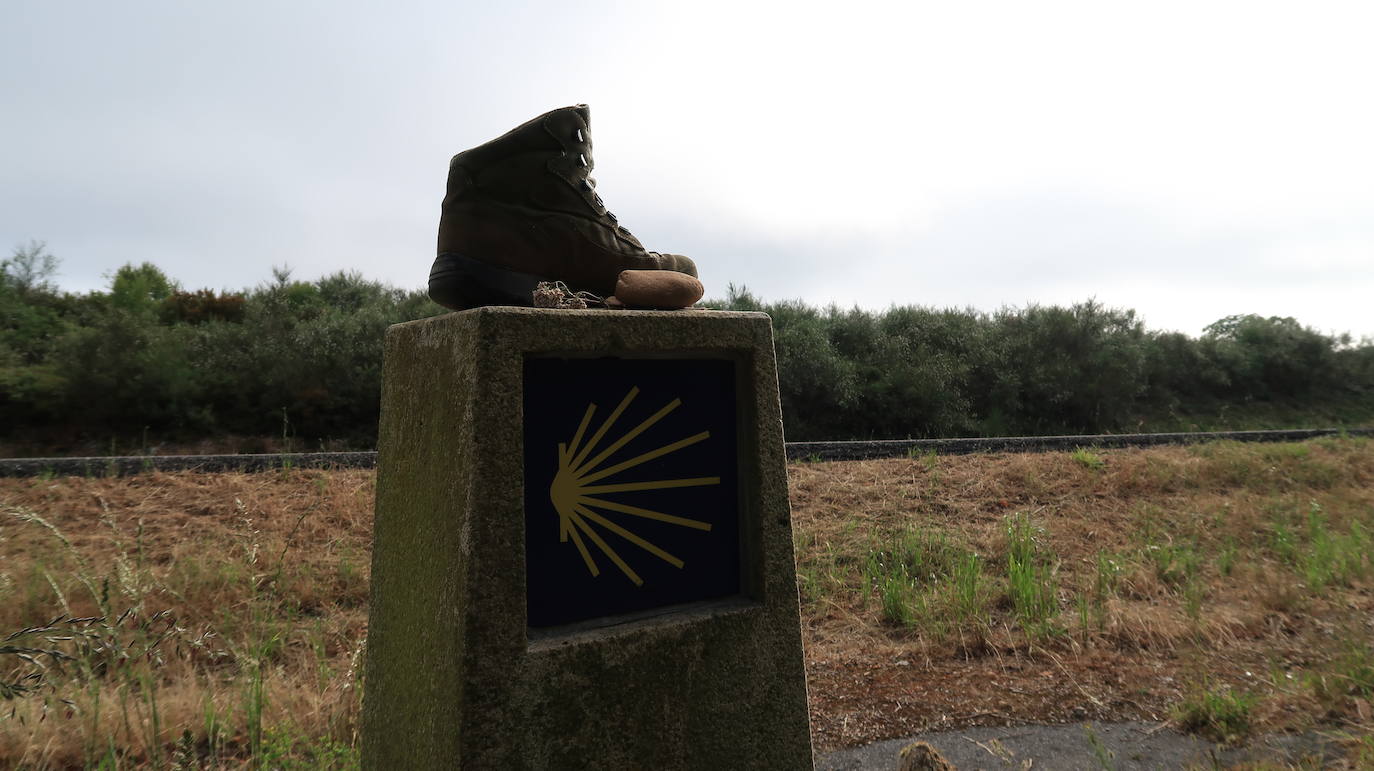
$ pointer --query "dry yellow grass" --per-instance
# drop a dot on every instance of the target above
(1169, 572)
(1168, 567)
(274, 567)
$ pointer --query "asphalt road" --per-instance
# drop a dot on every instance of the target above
(1075, 746)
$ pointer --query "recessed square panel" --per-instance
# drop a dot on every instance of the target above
(631, 485)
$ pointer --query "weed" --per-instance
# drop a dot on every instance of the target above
(1361, 753)
(1320, 564)
(812, 577)
(1192, 599)
(804, 546)
(1279, 451)
(1221, 714)
(1030, 578)
(1281, 592)
(1174, 564)
(1033, 595)
(287, 750)
(1350, 674)
(1356, 669)
(1284, 541)
(1087, 616)
(1107, 577)
(929, 459)
(83, 571)
(68, 657)
(1226, 556)
(1355, 551)
(894, 590)
(969, 592)
(809, 583)
(919, 556)
(213, 726)
(922, 579)
(1179, 565)
(1106, 759)
(254, 700)
(1022, 537)
(1088, 459)
(1319, 555)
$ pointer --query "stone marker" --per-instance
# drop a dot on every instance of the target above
(583, 546)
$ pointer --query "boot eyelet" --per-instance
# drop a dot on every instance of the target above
(582, 160)
(580, 140)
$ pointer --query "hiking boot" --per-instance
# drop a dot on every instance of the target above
(522, 209)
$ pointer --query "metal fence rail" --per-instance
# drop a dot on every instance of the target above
(908, 447)
(125, 465)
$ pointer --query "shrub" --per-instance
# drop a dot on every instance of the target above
(304, 358)
(1269, 357)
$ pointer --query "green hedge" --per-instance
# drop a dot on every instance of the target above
(304, 359)
(915, 372)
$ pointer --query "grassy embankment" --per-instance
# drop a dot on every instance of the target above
(1224, 587)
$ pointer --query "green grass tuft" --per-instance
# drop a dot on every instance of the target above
(1030, 578)
(1088, 459)
(1221, 714)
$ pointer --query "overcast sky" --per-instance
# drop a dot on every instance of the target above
(1189, 160)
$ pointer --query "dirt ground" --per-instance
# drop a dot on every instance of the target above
(1215, 585)
(1258, 630)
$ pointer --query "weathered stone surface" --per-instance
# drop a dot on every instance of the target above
(454, 677)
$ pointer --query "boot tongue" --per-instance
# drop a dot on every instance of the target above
(571, 128)
(565, 123)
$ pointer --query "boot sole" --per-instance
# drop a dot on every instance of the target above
(459, 282)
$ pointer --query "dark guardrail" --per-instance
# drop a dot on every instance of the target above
(125, 465)
(906, 447)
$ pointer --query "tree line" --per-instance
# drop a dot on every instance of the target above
(302, 359)
(918, 372)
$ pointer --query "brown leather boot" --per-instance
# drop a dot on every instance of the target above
(522, 209)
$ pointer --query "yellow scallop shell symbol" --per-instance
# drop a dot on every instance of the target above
(575, 495)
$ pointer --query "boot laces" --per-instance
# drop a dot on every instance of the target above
(556, 294)
(589, 184)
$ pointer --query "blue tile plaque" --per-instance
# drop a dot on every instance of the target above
(631, 485)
